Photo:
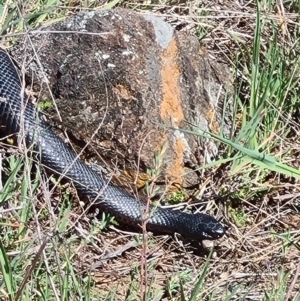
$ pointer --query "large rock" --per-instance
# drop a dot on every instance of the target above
(126, 83)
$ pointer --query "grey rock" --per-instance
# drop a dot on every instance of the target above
(125, 84)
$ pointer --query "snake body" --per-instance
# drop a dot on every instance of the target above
(20, 116)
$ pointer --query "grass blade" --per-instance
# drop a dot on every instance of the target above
(6, 272)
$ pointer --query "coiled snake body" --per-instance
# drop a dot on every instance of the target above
(18, 114)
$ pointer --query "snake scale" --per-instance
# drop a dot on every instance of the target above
(19, 115)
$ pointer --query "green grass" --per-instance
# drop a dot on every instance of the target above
(39, 274)
(43, 246)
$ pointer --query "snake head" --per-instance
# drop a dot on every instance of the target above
(203, 226)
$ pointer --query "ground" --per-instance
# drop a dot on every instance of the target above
(54, 249)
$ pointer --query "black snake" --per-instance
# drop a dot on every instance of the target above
(19, 115)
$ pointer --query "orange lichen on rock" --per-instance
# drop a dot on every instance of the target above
(213, 121)
(171, 109)
(176, 169)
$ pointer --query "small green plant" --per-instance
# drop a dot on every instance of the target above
(239, 216)
(43, 105)
(279, 288)
(176, 197)
(173, 283)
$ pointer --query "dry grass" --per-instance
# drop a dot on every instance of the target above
(62, 253)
